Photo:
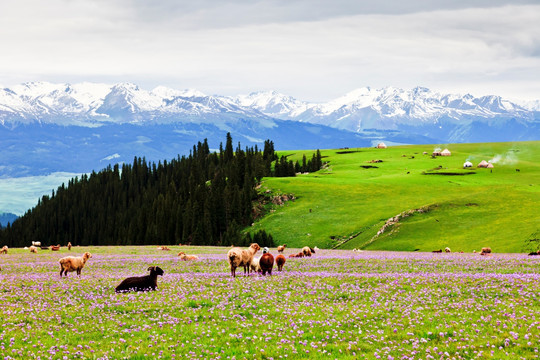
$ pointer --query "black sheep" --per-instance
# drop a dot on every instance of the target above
(141, 283)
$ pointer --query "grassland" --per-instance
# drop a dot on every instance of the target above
(336, 304)
(345, 205)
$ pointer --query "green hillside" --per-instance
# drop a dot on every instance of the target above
(346, 204)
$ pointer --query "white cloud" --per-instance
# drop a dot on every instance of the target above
(312, 52)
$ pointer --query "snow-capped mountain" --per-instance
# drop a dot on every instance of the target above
(48, 127)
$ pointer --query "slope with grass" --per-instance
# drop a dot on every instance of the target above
(346, 204)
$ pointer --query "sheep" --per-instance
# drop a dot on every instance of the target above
(447, 250)
(306, 250)
(254, 266)
(36, 243)
(4, 250)
(281, 248)
(485, 251)
(72, 263)
(183, 256)
(265, 250)
(241, 257)
(33, 249)
(69, 246)
(437, 251)
(266, 263)
(55, 247)
(534, 253)
(280, 261)
(164, 248)
(141, 283)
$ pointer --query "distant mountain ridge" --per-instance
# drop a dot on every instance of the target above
(47, 127)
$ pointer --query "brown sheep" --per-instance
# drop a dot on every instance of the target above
(4, 250)
(447, 250)
(33, 249)
(183, 256)
(69, 246)
(281, 248)
(55, 247)
(266, 263)
(280, 261)
(306, 250)
(72, 263)
(241, 257)
(485, 251)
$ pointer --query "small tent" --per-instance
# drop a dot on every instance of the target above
(436, 152)
(489, 166)
(381, 145)
(446, 152)
(483, 164)
(467, 164)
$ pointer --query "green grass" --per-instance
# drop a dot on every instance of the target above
(345, 205)
(336, 304)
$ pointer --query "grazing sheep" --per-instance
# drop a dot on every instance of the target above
(73, 263)
(4, 250)
(280, 261)
(164, 248)
(447, 250)
(306, 250)
(485, 251)
(265, 250)
(242, 257)
(534, 253)
(141, 283)
(281, 248)
(266, 263)
(33, 249)
(55, 247)
(69, 246)
(183, 256)
(437, 251)
(36, 243)
(254, 266)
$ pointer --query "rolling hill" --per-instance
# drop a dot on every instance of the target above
(345, 205)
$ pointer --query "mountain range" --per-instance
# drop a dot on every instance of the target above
(47, 127)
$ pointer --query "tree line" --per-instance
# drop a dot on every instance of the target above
(205, 198)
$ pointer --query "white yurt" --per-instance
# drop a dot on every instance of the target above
(483, 164)
(446, 152)
(381, 145)
(467, 164)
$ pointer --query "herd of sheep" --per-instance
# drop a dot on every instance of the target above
(236, 256)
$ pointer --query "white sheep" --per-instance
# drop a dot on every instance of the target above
(255, 265)
(73, 263)
(36, 243)
(33, 249)
(242, 257)
(447, 250)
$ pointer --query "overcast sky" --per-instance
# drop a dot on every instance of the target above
(314, 50)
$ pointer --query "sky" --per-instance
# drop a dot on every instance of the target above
(313, 50)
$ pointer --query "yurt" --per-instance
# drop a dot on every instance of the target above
(381, 145)
(489, 166)
(436, 152)
(446, 152)
(467, 164)
(483, 164)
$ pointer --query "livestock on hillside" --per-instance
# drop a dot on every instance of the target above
(281, 248)
(241, 257)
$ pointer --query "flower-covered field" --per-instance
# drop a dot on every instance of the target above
(336, 304)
